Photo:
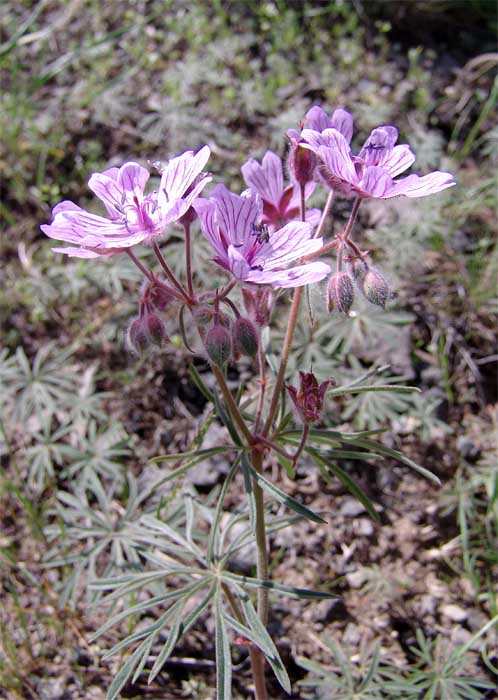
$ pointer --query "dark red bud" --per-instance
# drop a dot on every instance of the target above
(218, 344)
(302, 163)
(340, 292)
(245, 337)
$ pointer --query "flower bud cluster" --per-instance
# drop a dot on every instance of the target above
(368, 279)
(225, 339)
(148, 329)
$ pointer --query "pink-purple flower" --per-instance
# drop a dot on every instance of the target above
(132, 215)
(318, 120)
(246, 248)
(372, 172)
(281, 203)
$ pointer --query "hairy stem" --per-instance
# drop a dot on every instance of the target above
(344, 236)
(256, 655)
(232, 406)
(147, 273)
(291, 324)
(262, 385)
(188, 260)
(171, 276)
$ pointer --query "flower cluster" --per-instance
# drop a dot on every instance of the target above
(265, 238)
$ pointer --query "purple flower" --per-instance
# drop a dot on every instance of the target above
(280, 204)
(133, 216)
(308, 400)
(371, 173)
(245, 247)
(318, 120)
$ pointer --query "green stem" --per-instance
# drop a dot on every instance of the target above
(257, 657)
(232, 406)
(188, 260)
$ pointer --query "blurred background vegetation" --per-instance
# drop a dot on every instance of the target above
(87, 85)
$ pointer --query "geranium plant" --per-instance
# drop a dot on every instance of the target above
(269, 244)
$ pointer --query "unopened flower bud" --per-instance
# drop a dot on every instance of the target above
(137, 336)
(155, 329)
(203, 315)
(376, 288)
(340, 292)
(218, 345)
(301, 162)
(259, 304)
(357, 268)
(245, 337)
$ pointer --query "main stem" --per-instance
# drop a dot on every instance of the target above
(257, 656)
(291, 326)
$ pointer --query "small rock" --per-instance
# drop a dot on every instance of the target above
(351, 507)
(363, 527)
(468, 449)
(454, 612)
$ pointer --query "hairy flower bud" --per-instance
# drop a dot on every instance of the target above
(203, 315)
(340, 292)
(218, 343)
(376, 288)
(137, 336)
(245, 337)
(259, 304)
(155, 329)
(357, 268)
(301, 162)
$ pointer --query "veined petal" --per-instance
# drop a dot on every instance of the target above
(293, 277)
(317, 119)
(337, 157)
(376, 182)
(236, 213)
(109, 191)
(267, 179)
(90, 230)
(86, 252)
(291, 242)
(381, 138)
(132, 178)
(206, 211)
(237, 263)
(181, 172)
(416, 186)
(398, 160)
(343, 122)
(65, 205)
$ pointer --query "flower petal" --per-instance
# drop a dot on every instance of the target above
(343, 122)
(236, 214)
(181, 172)
(267, 179)
(132, 178)
(376, 182)
(416, 186)
(317, 119)
(293, 277)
